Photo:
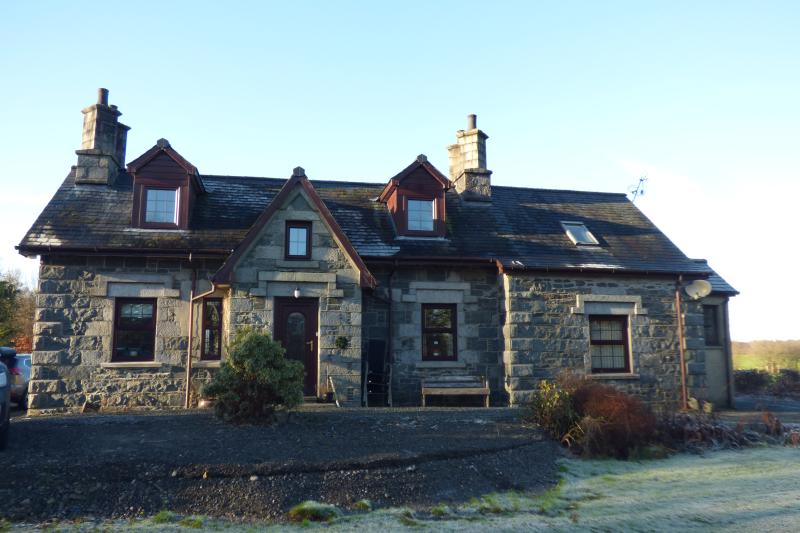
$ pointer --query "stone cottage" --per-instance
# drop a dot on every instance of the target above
(147, 269)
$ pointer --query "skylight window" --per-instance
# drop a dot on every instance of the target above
(578, 234)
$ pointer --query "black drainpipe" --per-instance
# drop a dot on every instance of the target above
(389, 343)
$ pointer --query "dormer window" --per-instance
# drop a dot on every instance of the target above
(161, 206)
(420, 215)
(579, 234)
(416, 200)
(165, 186)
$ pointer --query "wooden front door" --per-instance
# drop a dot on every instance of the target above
(296, 330)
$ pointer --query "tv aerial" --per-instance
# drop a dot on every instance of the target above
(638, 190)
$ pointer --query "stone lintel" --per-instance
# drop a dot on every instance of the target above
(283, 263)
(612, 376)
(311, 277)
(140, 290)
(102, 281)
(440, 364)
(610, 300)
(441, 285)
(206, 364)
(132, 364)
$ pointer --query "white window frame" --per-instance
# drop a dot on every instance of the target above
(175, 211)
(432, 213)
(568, 224)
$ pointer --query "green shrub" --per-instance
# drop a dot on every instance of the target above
(752, 380)
(313, 511)
(164, 517)
(193, 522)
(551, 407)
(255, 380)
(786, 383)
(363, 505)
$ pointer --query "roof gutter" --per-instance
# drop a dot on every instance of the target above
(211, 253)
(505, 268)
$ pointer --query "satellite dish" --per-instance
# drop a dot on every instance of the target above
(697, 289)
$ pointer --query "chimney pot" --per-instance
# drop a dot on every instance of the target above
(102, 153)
(468, 172)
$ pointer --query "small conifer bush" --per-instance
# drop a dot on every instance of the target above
(255, 380)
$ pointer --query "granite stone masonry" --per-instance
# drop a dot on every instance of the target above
(524, 283)
(264, 274)
(476, 293)
(73, 333)
(546, 331)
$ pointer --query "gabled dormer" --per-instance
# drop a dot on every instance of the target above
(164, 188)
(416, 199)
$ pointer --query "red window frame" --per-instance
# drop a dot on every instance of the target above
(623, 320)
(453, 330)
(297, 224)
(149, 326)
(217, 355)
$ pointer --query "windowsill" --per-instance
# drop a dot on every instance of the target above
(620, 375)
(207, 364)
(440, 364)
(297, 263)
(153, 230)
(409, 237)
(131, 364)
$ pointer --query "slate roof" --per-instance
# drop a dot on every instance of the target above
(718, 285)
(520, 227)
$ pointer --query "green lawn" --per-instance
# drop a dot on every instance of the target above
(748, 361)
(749, 490)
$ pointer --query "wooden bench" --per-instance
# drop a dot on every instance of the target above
(456, 386)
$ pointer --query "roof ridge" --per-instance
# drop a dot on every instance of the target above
(315, 181)
(558, 190)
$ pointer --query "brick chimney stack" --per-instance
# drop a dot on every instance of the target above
(468, 163)
(102, 154)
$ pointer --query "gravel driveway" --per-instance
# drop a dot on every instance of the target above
(108, 466)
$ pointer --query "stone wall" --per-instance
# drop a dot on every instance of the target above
(476, 294)
(517, 329)
(73, 333)
(263, 274)
(546, 331)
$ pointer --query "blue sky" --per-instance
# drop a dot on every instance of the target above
(702, 97)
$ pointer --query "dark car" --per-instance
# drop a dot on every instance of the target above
(5, 405)
(19, 369)
(20, 380)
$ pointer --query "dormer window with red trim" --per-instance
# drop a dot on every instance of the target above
(416, 200)
(164, 188)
